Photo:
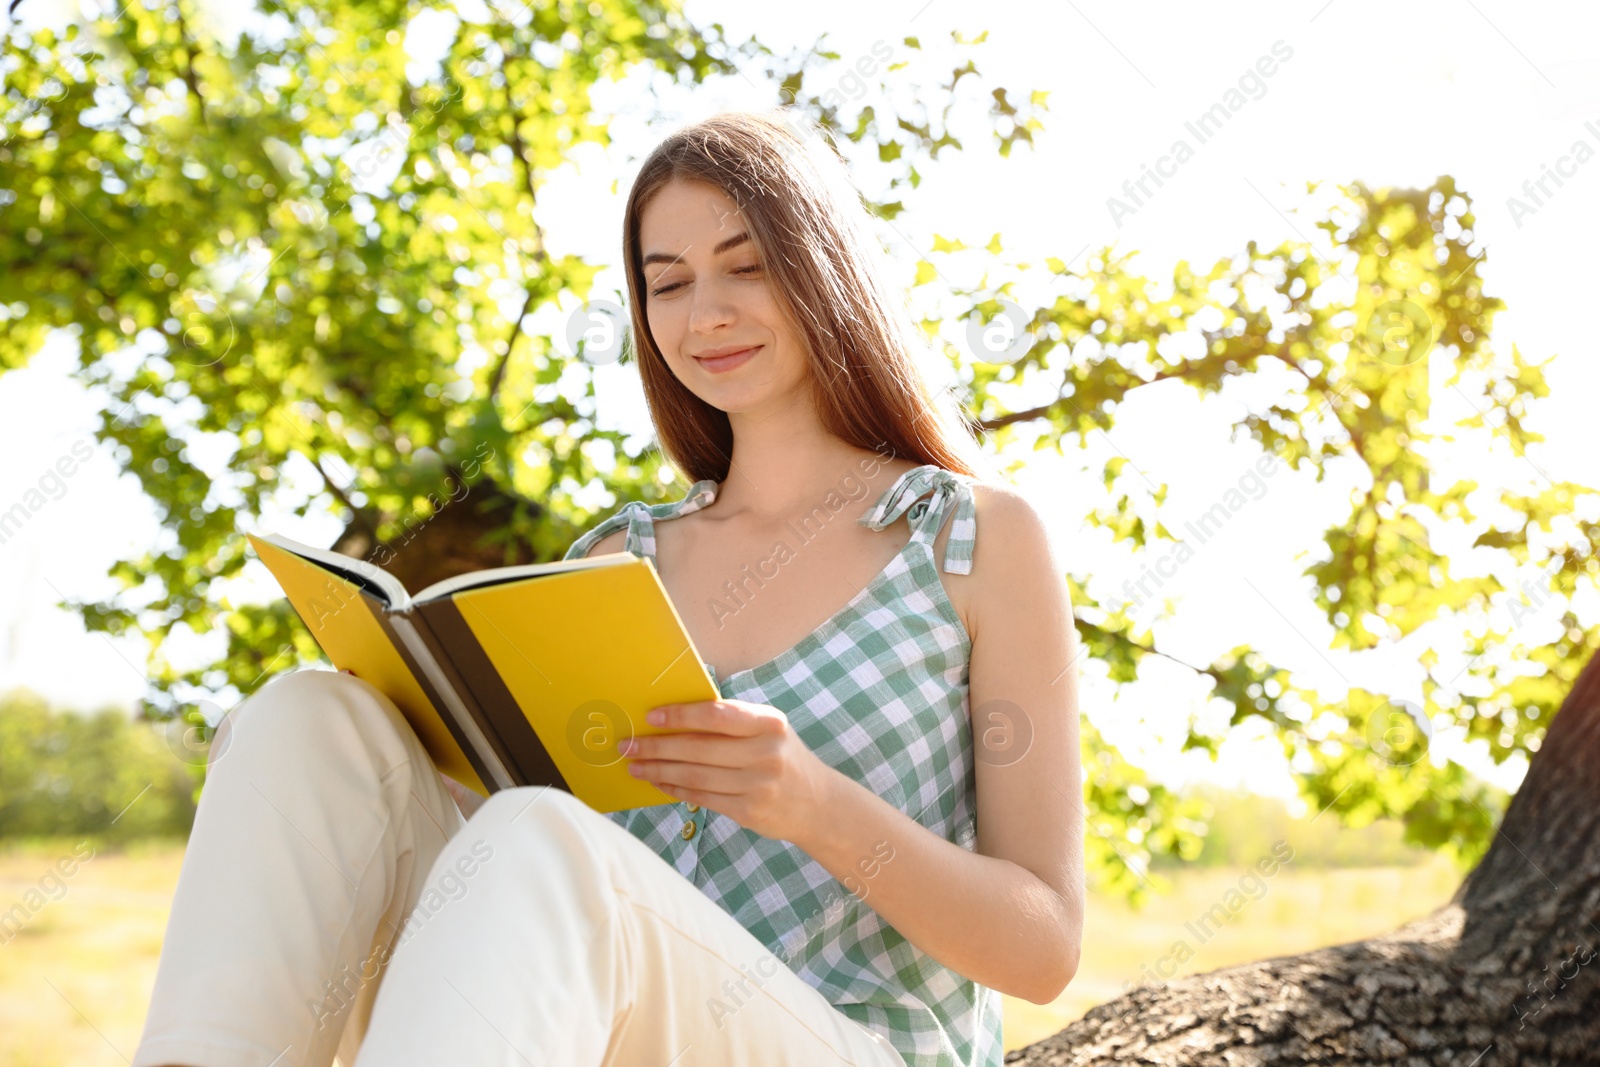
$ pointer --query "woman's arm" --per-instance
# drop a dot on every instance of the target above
(1009, 916)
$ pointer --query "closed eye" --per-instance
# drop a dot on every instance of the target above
(751, 269)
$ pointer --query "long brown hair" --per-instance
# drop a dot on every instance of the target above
(827, 270)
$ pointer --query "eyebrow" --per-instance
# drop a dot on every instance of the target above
(722, 246)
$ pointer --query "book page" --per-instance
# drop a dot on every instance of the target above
(498, 575)
(375, 579)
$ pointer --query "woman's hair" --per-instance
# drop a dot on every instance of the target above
(828, 272)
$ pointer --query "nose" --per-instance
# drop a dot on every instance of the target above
(710, 306)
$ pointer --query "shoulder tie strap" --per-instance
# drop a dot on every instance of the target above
(925, 517)
(638, 519)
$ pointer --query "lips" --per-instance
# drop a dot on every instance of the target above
(720, 364)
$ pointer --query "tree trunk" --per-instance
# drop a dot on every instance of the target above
(455, 539)
(1506, 973)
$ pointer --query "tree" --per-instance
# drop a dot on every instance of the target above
(370, 339)
(352, 314)
(1506, 972)
(63, 773)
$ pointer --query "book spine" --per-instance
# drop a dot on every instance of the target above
(466, 724)
(458, 648)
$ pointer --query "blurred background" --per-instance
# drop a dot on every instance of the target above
(1277, 311)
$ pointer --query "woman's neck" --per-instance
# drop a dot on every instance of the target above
(786, 461)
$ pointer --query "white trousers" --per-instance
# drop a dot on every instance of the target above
(333, 902)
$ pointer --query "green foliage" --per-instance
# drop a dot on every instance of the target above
(1358, 330)
(104, 775)
(1131, 821)
(214, 210)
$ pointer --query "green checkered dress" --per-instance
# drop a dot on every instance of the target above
(878, 692)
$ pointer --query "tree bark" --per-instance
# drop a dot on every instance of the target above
(458, 538)
(1507, 973)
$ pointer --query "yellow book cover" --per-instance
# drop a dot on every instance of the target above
(510, 676)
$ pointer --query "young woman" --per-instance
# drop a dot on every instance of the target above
(877, 828)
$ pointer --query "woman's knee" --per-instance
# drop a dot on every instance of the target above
(541, 820)
(547, 852)
(534, 808)
(307, 716)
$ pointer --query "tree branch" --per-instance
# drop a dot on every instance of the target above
(189, 79)
(519, 149)
(1149, 650)
(361, 517)
(511, 343)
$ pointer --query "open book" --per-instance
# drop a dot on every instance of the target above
(510, 676)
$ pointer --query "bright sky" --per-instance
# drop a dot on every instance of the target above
(1490, 92)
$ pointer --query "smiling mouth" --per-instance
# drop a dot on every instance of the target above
(718, 364)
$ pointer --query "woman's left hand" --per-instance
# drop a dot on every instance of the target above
(466, 800)
(738, 759)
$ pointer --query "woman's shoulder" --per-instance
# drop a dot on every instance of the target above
(1012, 526)
(602, 546)
(611, 533)
(1001, 499)
(608, 535)
(1013, 547)
(1003, 512)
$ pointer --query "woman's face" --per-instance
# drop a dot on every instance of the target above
(707, 295)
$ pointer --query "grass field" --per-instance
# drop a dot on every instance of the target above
(74, 982)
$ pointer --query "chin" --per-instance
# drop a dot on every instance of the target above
(734, 401)
(733, 394)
